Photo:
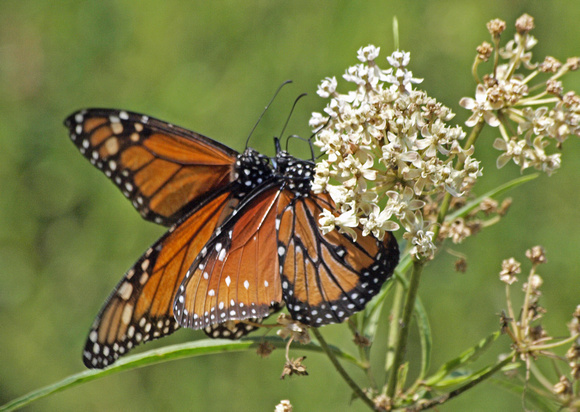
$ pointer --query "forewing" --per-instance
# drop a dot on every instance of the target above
(327, 278)
(140, 308)
(235, 277)
(163, 169)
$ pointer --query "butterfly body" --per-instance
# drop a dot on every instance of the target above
(243, 238)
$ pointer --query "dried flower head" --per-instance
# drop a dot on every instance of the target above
(534, 282)
(536, 254)
(387, 140)
(283, 406)
(461, 265)
(574, 325)
(524, 24)
(505, 206)
(573, 354)
(554, 87)
(496, 27)
(573, 63)
(265, 349)
(382, 402)
(563, 387)
(295, 330)
(484, 51)
(509, 269)
(361, 340)
(550, 65)
(294, 367)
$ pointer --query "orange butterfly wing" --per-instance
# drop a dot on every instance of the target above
(234, 277)
(271, 250)
(327, 278)
(140, 307)
(163, 169)
(172, 176)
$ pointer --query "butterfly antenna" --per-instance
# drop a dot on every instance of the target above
(265, 110)
(309, 140)
(290, 115)
(314, 134)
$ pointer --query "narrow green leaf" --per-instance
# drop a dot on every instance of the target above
(458, 377)
(461, 361)
(464, 377)
(425, 336)
(492, 193)
(402, 376)
(372, 313)
(173, 352)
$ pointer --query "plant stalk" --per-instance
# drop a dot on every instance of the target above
(356, 389)
(394, 330)
(401, 347)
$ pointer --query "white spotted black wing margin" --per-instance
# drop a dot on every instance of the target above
(141, 306)
(164, 170)
(327, 278)
(126, 320)
(238, 329)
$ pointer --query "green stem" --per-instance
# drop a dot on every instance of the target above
(416, 276)
(525, 308)
(555, 345)
(401, 348)
(356, 389)
(394, 325)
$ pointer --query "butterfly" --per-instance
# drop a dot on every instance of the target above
(243, 237)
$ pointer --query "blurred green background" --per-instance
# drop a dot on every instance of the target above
(67, 235)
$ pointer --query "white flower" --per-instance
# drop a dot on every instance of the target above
(419, 236)
(399, 59)
(368, 53)
(317, 121)
(383, 140)
(480, 107)
(327, 88)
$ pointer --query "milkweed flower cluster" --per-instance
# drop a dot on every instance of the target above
(542, 112)
(388, 151)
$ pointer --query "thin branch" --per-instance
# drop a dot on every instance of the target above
(401, 348)
(356, 389)
(394, 329)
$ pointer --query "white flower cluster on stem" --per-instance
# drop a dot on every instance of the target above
(530, 116)
(388, 149)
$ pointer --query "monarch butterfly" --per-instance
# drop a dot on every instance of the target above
(243, 237)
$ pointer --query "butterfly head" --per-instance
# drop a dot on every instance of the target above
(251, 169)
(297, 173)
